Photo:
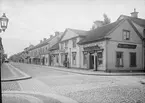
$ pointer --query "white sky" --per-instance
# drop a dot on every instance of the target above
(32, 20)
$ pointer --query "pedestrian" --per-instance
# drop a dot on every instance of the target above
(64, 63)
(68, 63)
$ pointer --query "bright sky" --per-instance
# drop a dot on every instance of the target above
(32, 20)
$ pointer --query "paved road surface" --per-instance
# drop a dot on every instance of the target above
(83, 88)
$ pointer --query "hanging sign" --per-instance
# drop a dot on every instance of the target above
(128, 46)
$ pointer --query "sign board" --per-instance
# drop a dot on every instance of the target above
(128, 46)
(91, 48)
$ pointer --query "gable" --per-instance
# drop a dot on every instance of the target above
(117, 34)
(139, 28)
(68, 35)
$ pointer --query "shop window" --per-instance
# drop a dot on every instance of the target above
(46, 60)
(126, 34)
(62, 58)
(61, 46)
(119, 59)
(132, 59)
(84, 58)
(74, 42)
(57, 58)
(74, 58)
(100, 58)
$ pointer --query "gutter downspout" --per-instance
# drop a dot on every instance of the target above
(106, 47)
(144, 50)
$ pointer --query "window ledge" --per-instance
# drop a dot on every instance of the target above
(133, 66)
(119, 66)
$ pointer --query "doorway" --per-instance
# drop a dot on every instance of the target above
(92, 61)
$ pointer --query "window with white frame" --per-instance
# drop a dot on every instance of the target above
(119, 59)
(62, 58)
(74, 58)
(84, 58)
(74, 42)
(100, 57)
(57, 58)
(126, 34)
(61, 46)
(66, 44)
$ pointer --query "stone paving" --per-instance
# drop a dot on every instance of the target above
(27, 98)
(10, 86)
(85, 88)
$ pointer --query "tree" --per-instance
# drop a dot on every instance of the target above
(106, 19)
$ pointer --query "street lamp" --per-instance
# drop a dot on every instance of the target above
(3, 22)
(3, 26)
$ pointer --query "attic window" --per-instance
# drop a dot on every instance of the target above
(126, 34)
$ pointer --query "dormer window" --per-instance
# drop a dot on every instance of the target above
(126, 34)
(66, 44)
(74, 42)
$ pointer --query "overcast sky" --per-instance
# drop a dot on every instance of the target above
(32, 20)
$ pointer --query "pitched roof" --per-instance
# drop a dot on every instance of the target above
(98, 33)
(138, 21)
(55, 47)
(79, 32)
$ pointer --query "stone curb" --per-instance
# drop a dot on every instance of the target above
(142, 81)
(98, 74)
(91, 73)
(15, 79)
(62, 99)
(26, 76)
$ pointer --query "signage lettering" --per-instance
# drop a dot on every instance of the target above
(128, 46)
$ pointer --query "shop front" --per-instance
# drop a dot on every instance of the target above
(94, 56)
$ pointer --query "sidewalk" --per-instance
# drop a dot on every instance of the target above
(97, 73)
(92, 72)
(10, 73)
(38, 89)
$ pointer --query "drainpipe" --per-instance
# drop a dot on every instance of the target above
(143, 46)
(106, 52)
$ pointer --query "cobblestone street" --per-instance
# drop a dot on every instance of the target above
(81, 88)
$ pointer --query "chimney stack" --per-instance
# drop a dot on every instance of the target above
(51, 36)
(134, 14)
(44, 39)
(56, 33)
(40, 41)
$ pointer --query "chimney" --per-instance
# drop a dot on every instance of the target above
(56, 33)
(40, 41)
(97, 24)
(44, 39)
(134, 14)
(51, 36)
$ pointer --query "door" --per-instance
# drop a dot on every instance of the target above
(96, 60)
(91, 61)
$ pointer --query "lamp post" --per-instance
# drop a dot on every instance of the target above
(3, 26)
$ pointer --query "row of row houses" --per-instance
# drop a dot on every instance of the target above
(118, 46)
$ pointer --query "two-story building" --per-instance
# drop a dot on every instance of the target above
(69, 50)
(117, 46)
(39, 54)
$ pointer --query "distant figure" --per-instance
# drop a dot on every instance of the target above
(67, 63)
(64, 63)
